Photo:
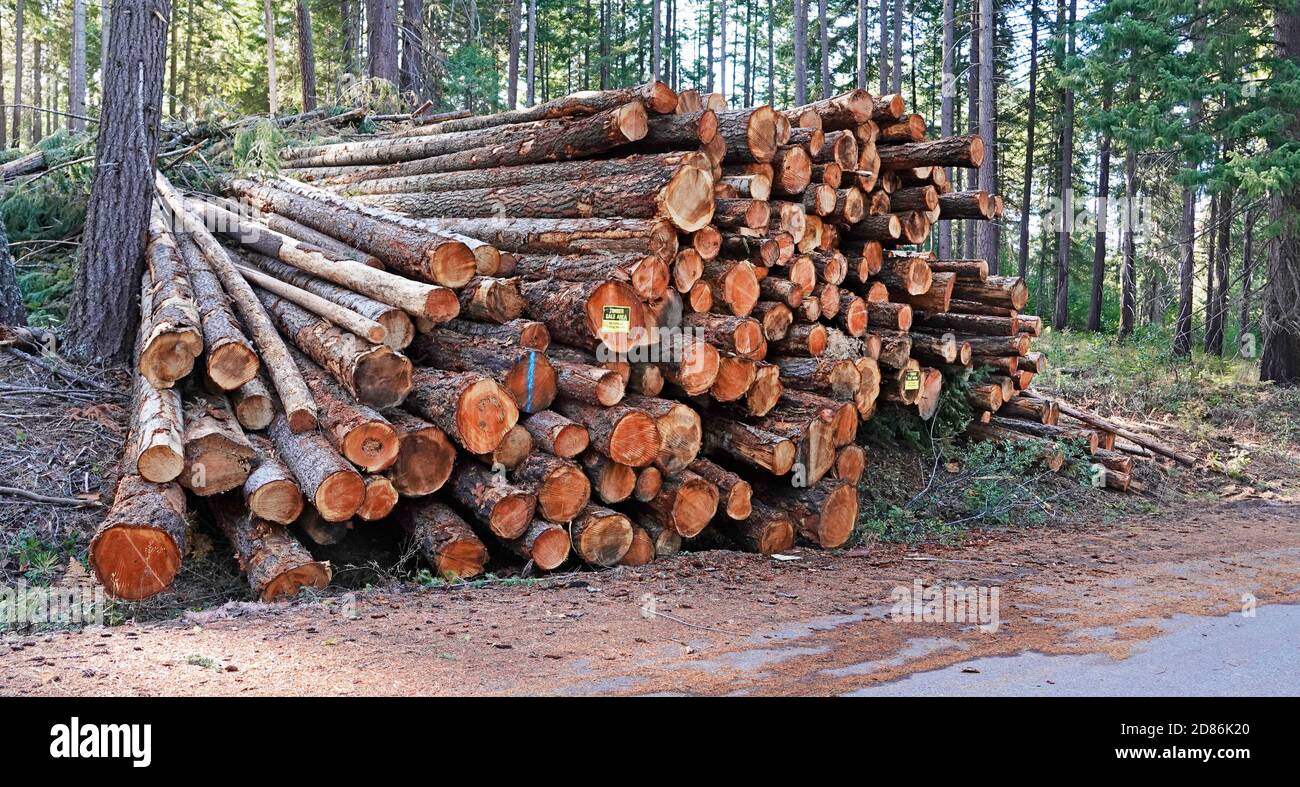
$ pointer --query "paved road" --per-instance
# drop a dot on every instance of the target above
(1227, 656)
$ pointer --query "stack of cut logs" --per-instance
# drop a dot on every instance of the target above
(599, 326)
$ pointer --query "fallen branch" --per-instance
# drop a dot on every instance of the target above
(39, 498)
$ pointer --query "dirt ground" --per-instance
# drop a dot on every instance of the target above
(1101, 579)
(722, 622)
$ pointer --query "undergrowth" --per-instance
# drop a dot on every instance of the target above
(928, 482)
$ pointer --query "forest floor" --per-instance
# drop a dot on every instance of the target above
(1096, 575)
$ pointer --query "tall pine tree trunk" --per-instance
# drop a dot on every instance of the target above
(18, 72)
(654, 38)
(1061, 314)
(1222, 267)
(381, 35)
(884, 47)
(188, 99)
(989, 234)
(1101, 213)
(823, 22)
(722, 48)
(272, 82)
(77, 69)
(860, 81)
(306, 57)
(38, 120)
(102, 316)
(1187, 228)
(11, 298)
(801, 52)
(1244, 327)
(412, 66)
(972, 120)
(532, 48)
(947, 96)
(1281, 360)
(771, 53)
(896, 73)
(173, 47)
(1128, 269)
(1211, 250)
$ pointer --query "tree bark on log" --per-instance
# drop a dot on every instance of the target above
(546, 544)
(359, 433)
(526, 374)
(469, 407)
(964, 151)
(427, 257)
(280, 368)
(558, 140)
(589, 384)
(735, 494)
(504, 508)
(569, 236)
(398, 328)
(646, 274)
(231, 360)
(767, 530)
(750, 444)
(218, 457)
(683, 195)
(175, 336)
(525, 333)
(329, 483)
(444, 540)
(655, 96)
(556, 434)
(372, 373)
(824, 514)
(587, 314)
(415, 298)
(276, 565)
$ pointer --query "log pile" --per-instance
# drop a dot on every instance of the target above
(594, 328)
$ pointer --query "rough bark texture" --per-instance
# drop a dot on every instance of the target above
(504, 508)
(276, 564)
(101, 316)
(473, 410)
(333, 488)
(373, 373)
(444, 540)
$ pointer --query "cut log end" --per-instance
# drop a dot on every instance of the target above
(383, 378)
(371, 446)
(551, 548)
(231, 365)
(687, 200)
(277, 501)
(602, 536)
(339, 496)
(135, 562)
(288, 584)
(451, 264)
(170, 356)
(484, 413)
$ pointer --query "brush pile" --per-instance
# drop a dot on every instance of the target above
(592, 328)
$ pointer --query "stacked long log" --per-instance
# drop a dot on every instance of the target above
(595, 328)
